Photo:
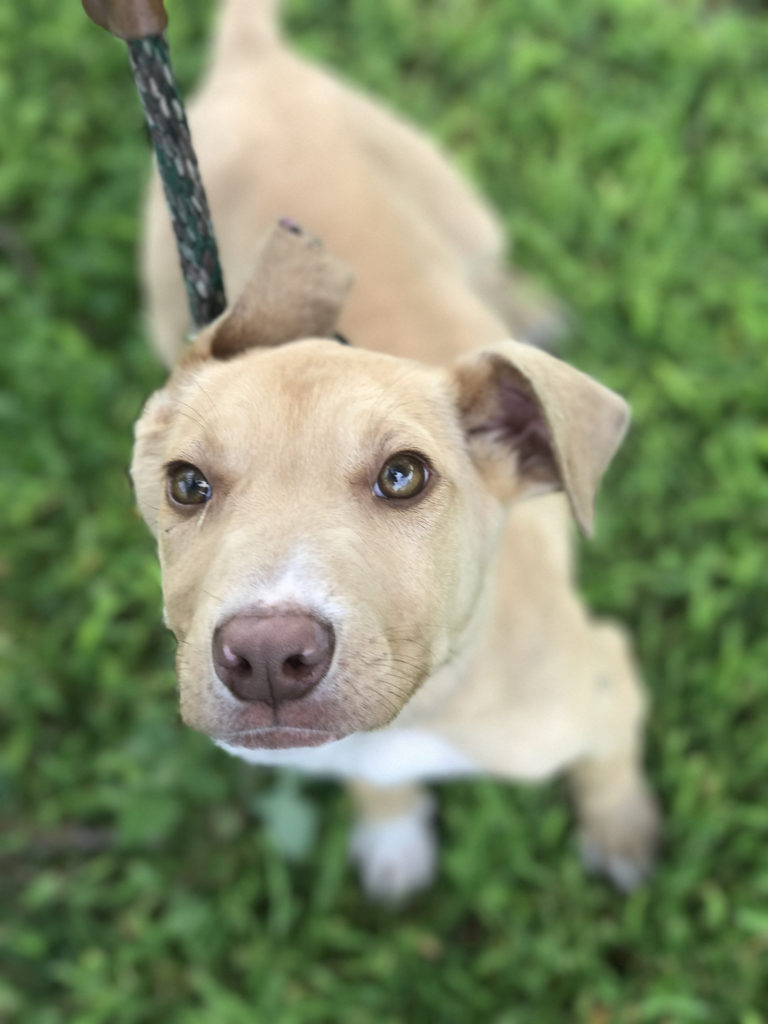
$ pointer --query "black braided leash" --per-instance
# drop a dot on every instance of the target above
(141, 23)
(184, 192)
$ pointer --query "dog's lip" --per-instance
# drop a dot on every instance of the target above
(280, 737)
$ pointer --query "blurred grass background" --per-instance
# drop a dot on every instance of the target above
(626, 142)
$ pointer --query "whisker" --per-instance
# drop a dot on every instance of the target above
(192, 414)
(204, 391)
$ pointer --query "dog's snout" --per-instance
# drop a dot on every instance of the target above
(272, 658)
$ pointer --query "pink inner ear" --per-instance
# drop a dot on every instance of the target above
(516, 418)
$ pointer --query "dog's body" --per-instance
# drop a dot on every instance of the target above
(357, 585)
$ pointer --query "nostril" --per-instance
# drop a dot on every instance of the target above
(237, 667)
(297, 663)
(272, 658)
(229, 656)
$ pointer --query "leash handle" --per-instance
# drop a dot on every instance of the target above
(128, 19)
(141, 24)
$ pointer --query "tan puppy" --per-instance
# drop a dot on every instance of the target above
(358, 582)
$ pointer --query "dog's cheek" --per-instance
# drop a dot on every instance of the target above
(183, 565)
(147, 473)
(430, 574)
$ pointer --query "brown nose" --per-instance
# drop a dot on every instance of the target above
(272, 658)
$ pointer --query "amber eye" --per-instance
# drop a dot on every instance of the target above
(403, 476)
(187, 485)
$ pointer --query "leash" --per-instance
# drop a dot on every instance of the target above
(141, 24)
(297, 289)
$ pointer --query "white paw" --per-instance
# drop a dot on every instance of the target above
(621, 843)
(397, 856)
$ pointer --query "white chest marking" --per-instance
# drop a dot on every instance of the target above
(387, 758)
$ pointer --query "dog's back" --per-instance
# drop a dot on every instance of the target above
(277, 136)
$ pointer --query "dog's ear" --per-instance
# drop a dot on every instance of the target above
(296, 291)
(535, 424)
(148, 462)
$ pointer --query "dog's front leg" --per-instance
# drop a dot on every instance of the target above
(619, 818)
(393, 840)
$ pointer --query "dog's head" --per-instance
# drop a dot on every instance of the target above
(326, 517)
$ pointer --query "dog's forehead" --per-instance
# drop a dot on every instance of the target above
(314, 388)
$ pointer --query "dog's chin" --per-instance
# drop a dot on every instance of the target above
(280, 737)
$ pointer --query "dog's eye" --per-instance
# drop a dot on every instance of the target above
(187, 485)
(402, 476)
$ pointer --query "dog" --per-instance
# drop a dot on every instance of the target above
(366, 548)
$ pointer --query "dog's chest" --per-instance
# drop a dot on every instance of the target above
(387, 758)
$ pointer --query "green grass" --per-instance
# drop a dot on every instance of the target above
(626, 143)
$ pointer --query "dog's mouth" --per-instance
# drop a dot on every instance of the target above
(280, 737)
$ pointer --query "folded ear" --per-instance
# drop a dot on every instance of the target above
(296, 291)
(542, 424)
